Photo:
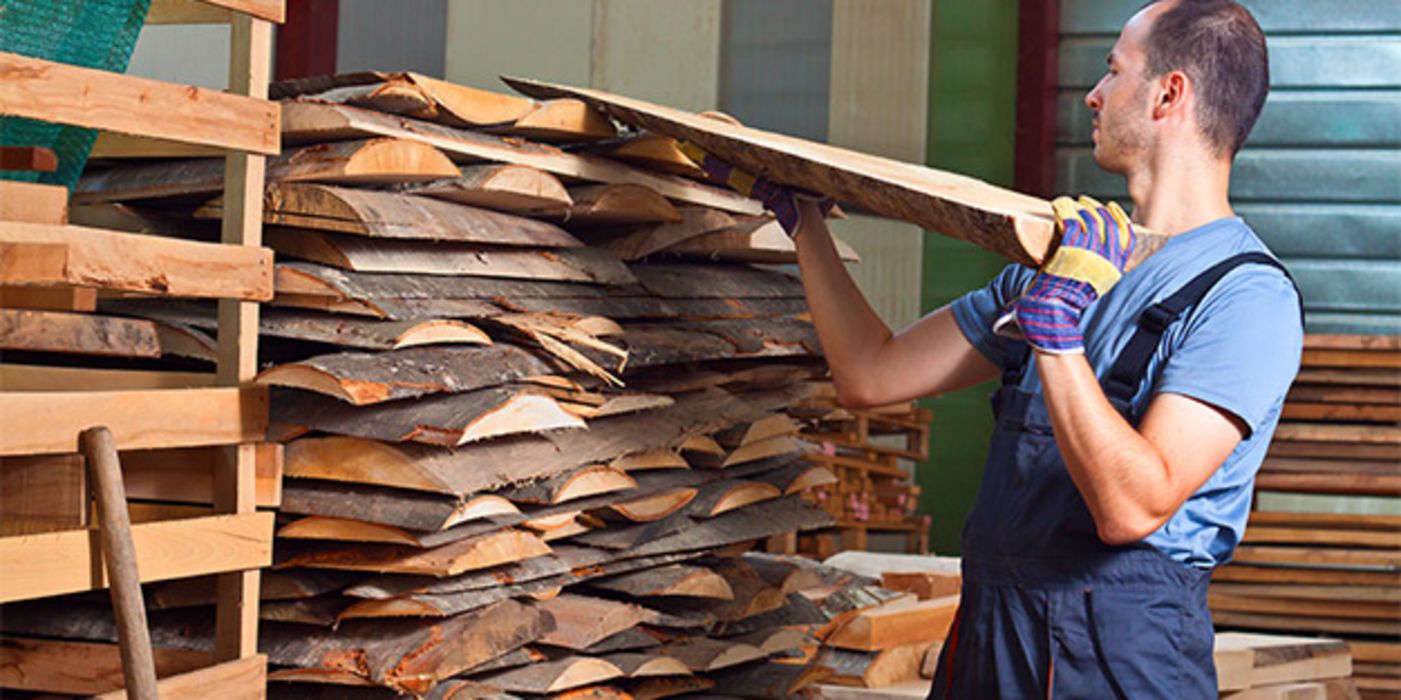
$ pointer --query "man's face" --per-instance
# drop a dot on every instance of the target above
(1122, 101)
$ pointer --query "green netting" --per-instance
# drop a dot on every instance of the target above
(89, 33)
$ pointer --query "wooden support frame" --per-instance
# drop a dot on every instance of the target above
(236, 543)
(46, 422)
(56, 563)
(97, 99)
(47, 255)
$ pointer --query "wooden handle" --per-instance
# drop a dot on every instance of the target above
(133, 637)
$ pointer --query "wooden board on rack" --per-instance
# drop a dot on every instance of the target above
(33, 203)
(48, 493)
(309, 121)
(93, 334)
(80, 668)
(380, 161)
(92, 257)
(518, 189)
(49, 422)
(244, 678)
(97, 99)
(67, 562)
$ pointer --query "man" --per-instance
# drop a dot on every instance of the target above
(1134, 414)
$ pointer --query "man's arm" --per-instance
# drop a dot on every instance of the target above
(871, 365)
(1132, 480)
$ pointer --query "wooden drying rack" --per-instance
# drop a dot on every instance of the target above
(189, 421)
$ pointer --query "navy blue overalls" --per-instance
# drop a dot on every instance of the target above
(1048, 609)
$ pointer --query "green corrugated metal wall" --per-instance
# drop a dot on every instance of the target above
(972, 99)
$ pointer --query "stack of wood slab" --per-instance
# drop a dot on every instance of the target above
(533, 390)
(1331, 573)
(873, 452)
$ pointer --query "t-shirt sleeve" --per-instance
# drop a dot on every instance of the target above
(976, 310)
(1241, 349)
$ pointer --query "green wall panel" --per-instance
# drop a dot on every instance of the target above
(972, 99)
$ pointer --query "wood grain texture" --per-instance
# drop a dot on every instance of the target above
(68, 562)
(381, 161)
(518, 189)
(95, 99)
(79, 668)
(309, 121)
(137, 263)
(47, 493)
(48, 422)
(33, 203)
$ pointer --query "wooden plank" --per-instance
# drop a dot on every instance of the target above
(449, 420)
(581, 621)
(1280, 659)
(1017, 226)
(517, 189)
(96, 99)
(1340, 537)
(1309, 608)
(205, 11)
(702, 654)
(91, 334)
(33, 203)
(653, 151)
(1365, 594)
(521, 459)
(17, 377)
(28, 158)
(307, 121)
(42, 494)
(1351, 484)
(1344, 341)
(554, 676)
(695, 221)
(887, 627)
(1306, 465)
(379, 214)
(1325, 577)
(113, 146)
(1351, 358)
(619, 204)
(470, 554)
(186, 475)
(137, 263)
(67, 562)
(1297, 410)
(241, 679)
(873, 669)
(370, 378)
(566, 120)
(380, 161)
(766, 243)
(1343, 521)
(680, 580)
(360, 254)
(589, 480)
(48, 422)
(421, 509)
(1350, 377)
(49, 298)
(80, 668)
(1329, 432)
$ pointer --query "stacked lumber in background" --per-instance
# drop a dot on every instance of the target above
(1330, 573)
(187, 420)
(873, 452)
(532, 393)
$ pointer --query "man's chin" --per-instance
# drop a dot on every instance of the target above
(1107, 162)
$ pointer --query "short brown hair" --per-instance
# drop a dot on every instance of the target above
(1220, 46)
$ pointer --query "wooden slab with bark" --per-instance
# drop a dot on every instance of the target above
(379, 161)
(481, 552)
(516, 189)
(383, 214)
(681, 580)
(619, 205)
(360, 254)
(589, 480)
(641, 241)
(766, 243)
(702, 654)
(449, 420)
(1017, 226)
(99, 335)
(581, 621)
(321, 280)
(330, 329)
(304, 121)
(520, 459)
(558, 675)
(353, 495)
(561, 121)
(368, 378)
(891, 626)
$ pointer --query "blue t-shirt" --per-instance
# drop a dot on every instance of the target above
(1238, 350)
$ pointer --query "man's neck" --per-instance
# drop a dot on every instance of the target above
(1177, 193)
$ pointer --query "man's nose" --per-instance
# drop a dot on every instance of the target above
(1092, 99)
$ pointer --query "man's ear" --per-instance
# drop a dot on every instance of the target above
(1174, 87)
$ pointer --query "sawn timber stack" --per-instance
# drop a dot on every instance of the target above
(532, 410)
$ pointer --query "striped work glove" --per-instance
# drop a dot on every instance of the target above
(778, 199)
(1096, 241)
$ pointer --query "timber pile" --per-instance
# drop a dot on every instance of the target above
(532, 385)
(873, 452)
(1330, 573)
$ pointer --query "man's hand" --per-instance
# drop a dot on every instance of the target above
(1096, 242)
(775, 197)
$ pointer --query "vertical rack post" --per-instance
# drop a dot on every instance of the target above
(249, 68)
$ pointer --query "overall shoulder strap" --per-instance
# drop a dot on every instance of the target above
(1131, 366)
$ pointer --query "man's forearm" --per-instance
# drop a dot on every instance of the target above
(850, 330)
(1120, 474)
